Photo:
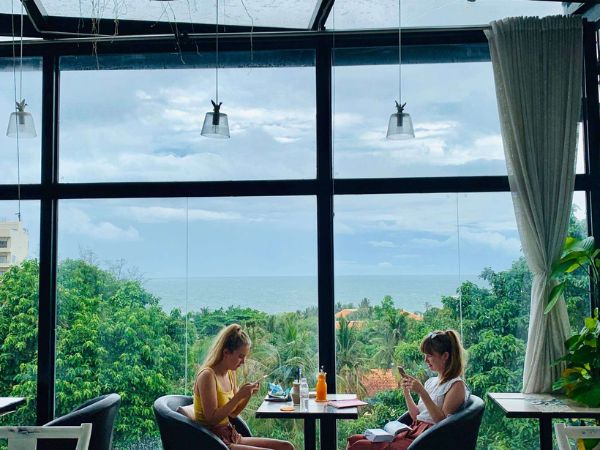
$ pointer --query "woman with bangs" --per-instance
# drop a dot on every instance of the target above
(439, 397)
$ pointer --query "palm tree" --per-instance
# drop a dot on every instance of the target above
(349, 359)
(297, 348)
(391, 326)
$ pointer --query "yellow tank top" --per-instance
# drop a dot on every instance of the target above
(223, 397)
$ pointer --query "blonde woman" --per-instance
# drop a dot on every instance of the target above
(439, 397)
(217, 396)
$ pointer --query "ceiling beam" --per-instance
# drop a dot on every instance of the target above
(76, 26)
(320, 15)
(7, 25)
(36, 12)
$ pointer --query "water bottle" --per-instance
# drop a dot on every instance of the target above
(303, 394)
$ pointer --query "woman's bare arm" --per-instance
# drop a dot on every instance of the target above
(413, 409)
(206, 388)
(454, 398)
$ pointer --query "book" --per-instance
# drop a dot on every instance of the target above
(351, 403)
(388, 433)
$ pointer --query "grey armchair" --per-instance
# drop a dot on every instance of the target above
(457, 432)
(101, 412)
(177, 432)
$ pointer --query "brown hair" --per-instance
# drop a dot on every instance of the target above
(446, 341)
(229, 338)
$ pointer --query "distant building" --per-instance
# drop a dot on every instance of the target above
(377, 380)
(14, 244)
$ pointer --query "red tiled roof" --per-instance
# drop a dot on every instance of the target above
(344, 313)
(377, 380)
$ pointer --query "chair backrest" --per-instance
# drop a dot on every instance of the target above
(101, 412)
(178, 432)
(564, 432)
(458, 431)
(25, 438)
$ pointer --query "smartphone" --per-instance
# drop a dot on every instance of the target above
(401, 371)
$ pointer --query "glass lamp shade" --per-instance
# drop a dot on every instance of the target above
(21, 124)
(215, 125)
(400, 127)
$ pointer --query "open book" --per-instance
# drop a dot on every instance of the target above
(350, 403)
(387, 434)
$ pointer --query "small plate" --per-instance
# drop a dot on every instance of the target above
(270, 398)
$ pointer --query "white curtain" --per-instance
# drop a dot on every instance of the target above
(538, 73)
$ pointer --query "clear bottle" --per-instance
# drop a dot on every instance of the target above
(303, 394)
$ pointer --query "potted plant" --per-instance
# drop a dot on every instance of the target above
(581, 377)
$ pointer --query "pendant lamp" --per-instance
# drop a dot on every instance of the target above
(400, 125)
(216, 124)
(20, 122)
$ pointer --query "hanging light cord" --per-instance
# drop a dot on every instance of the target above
(217, 55)
(460, 309)
(187, 288)
(12, 21)
(399, 52)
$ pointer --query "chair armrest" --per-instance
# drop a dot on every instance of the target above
(439, 435)
(186, 434)
(241, 426)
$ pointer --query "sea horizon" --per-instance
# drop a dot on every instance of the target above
(280, 294)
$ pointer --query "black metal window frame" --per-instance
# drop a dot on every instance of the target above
(423, 45)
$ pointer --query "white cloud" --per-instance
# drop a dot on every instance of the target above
(74, 220)
(382, 244)
(343, 120)
(430, 243)
(492, 240)
(158, 214)
(385, 264)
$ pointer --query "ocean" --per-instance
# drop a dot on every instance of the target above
(273, 295)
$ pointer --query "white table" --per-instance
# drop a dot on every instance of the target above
(272, 410)
(9, 404)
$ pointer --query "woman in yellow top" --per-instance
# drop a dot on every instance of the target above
(217, 397)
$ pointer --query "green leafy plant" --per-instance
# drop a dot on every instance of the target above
(576, 253)
(581, 378)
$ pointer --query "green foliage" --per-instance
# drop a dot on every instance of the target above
(18, 336)
(113, 336)
(581, 377)
(577, 253)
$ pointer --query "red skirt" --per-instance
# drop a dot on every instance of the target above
(228, 434)
(400, 442)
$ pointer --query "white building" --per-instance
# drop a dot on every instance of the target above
(14, 244)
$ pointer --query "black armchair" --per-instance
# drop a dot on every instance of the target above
(457, 432)
(101, 412)
(177, 432)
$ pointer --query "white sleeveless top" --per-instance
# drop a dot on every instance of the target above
(437, 392)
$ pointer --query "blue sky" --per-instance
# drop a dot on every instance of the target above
(145, 126)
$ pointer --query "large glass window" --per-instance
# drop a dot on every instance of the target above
(353, 14)
(454, 112)
(19, 280)
(409, 264)
(144, 125)
(145, 285)
(20, 159)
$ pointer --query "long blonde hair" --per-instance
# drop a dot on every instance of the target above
(446, 341)
(229, 338)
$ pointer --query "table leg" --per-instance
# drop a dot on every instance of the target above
(545, 433)
(310, 434)
(328, 437)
